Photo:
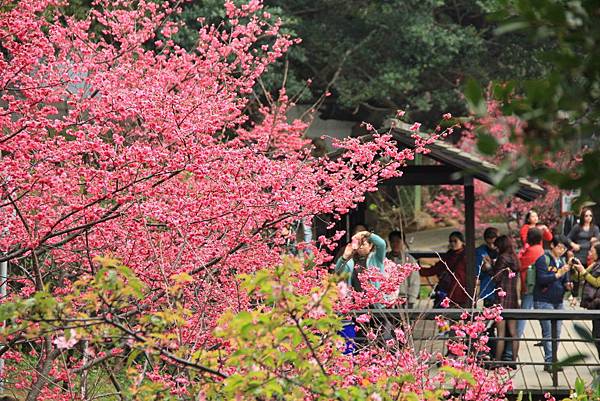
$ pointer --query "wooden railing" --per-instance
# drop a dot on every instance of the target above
(553, 316)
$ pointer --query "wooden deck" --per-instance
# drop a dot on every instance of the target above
(528, 378)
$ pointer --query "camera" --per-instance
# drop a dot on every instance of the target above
(575, 261)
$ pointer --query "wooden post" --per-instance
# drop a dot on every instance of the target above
(554, 333)
(469, 193)
(418, 160)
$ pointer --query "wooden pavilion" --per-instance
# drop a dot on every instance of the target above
(452, 167)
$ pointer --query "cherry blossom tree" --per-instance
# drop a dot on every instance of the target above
(117, 143)
(492, 205)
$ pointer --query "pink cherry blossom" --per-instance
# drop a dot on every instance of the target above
(415, 127)
(447, 202)
(364, 318)
(400, 335)
(63, 343)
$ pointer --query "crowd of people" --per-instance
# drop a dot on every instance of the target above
(537, 273)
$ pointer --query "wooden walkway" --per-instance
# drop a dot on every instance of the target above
(528, 378)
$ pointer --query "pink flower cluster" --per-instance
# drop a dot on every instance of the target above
(111, 148)
(509, 134)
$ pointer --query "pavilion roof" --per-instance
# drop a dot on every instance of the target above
(447, 154)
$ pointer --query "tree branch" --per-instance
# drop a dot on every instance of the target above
(164, 352)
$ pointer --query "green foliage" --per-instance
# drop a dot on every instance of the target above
(487, 144)
(582, 392)
(286, 347)
(475, 98)
(402, 54)
(289, 347)
(560, 108)
(277, 345)
(459, 374)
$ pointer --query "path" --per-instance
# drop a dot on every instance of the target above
(529, 378)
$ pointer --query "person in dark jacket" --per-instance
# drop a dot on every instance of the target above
(590, 298)
(485, 255)
(583, 234)
(505, 276)
(580, 238)
(551, 282)
(451, 272)
(506, 269)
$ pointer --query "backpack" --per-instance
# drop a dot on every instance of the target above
(530, 277)
(590, 297)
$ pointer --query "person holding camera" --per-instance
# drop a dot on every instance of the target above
(551, 283)
(581, 237)
(366, 250)
(590, 295)
(485, 256)
(532, 220)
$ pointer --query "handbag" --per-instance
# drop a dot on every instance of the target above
(590, 295)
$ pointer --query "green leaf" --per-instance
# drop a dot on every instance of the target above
(247, 329)
(459, 374)
(132, 355)
(475, 97)
(580, 386)
(571, 359)
(405, 378)
(583, 332)
(182, 278)
(511, 27)
(290, 356)
(296, 338)
(7, 311)
(243, 317)
(487, 144)
(411, 397)
(273, 387)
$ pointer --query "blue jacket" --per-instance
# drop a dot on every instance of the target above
(486, 285)
(548, 288)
